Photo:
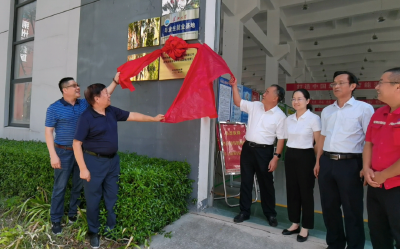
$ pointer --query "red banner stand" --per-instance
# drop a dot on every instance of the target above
(230, 137)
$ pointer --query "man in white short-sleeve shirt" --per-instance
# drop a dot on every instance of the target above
(339, 163)
(265, 124)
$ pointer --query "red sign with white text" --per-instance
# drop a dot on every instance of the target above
(255, 96)
(318, 109)
(322, 101)
(326, 86)
(373, 101)
(232, 142)
(331, 101)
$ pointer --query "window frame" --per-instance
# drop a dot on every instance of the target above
(13, 80)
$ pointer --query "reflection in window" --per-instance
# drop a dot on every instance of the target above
(23, 60)
(21, 82)
(22, 103)
(26, 16)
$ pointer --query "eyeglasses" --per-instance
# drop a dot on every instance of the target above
(73, 85)
(297, 100)
(380, 83)
(334, 84)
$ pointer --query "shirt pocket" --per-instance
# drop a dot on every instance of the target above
(351, 124)
(396, 135)
(375, 128)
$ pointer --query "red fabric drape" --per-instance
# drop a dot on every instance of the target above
(196, 97)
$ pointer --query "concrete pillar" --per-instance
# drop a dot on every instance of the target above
(291, 57)
(288, 97)
(273, 24)
(308, 77)
(273, 33)
(271, 71)
(233, 45)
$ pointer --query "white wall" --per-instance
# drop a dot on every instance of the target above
(5, 54)
(55, 57)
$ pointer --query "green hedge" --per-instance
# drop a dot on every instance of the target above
(24, 165)
(153, 192)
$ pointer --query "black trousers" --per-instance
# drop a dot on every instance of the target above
(255, 160)
(300, 181)
(341, 186)
(383, 207)
(104, 173)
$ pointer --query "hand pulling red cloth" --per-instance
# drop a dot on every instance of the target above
(196, 96)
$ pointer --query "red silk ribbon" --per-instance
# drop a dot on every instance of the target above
(196, 97)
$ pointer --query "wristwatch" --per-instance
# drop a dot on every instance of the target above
(278, 155)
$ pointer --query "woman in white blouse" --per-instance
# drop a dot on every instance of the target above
(301, 130)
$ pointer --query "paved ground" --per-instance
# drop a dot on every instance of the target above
(209, 231)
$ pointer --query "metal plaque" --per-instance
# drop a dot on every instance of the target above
(170, 69)
(148, 73)
(144, 33)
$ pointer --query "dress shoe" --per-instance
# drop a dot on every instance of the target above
(301, 238)
(287, 232)
(273, 222)
(56, 228)
(94, 240)
(240, 218)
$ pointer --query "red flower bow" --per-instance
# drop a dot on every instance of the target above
(175, 47)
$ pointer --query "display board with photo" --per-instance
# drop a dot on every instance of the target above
(151, 72)
(144, 33)
(175, 6)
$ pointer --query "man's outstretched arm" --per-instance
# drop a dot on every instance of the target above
(138, 117)
(113, 84)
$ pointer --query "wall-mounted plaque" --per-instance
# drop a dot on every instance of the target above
(184, 24)
(148, 73)
(170, 69)
(144, 33)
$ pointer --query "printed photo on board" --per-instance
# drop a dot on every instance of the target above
(175, 6)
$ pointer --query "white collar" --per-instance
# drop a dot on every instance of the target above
(351, 102)
(273, 110)
(302, 116)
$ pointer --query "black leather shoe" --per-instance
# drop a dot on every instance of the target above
(287, 232)
(273, 222)
(56, 227)
(240, 218)
(301, 238)
(94, 240)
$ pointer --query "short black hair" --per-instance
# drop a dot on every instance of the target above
(63, 83)
(351, 77)
(395, 74)
(94, 90)
(280, 92)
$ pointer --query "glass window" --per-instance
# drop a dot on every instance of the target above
(21, 106)
(22, 64)
(23, 58)
(26, 16)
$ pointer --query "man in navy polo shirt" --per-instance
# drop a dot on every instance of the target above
(95, 147)
(62, 117)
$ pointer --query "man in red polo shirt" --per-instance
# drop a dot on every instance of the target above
(381, 164)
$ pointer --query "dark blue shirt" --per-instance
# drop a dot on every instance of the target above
(63, 117)
(99, 133)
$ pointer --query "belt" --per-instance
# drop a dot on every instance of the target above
(252, 144)
(99, 155)
(63, 147)
(341, 156)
